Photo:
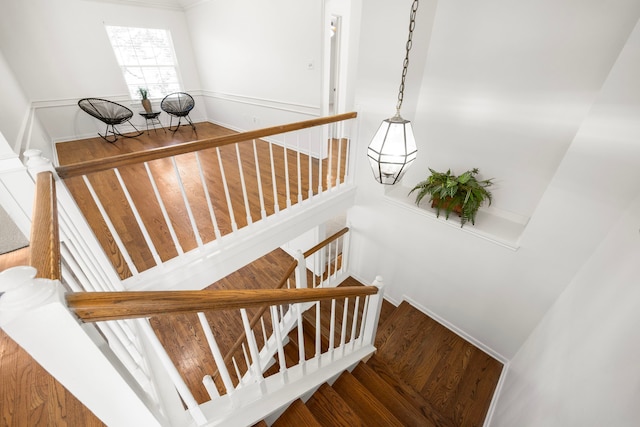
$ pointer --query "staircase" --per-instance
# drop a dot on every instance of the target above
(421, 375)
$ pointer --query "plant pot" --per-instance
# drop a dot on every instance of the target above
(443, 204)
(146, 104)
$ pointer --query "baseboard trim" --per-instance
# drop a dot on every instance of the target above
(462, 334)
(496, 395)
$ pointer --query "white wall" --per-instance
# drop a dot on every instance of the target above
(580, 366)
(539, 66)
(260, 62)
(59, 52)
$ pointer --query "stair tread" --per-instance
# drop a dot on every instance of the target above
(297, 414)
(331, 410)
(409, 394)
(393, 328)
(408, 414)
(365, 404)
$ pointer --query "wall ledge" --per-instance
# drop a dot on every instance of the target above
(501, 229)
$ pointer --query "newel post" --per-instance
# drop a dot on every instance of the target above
(301, 270)
(373, 312)
(33, 312)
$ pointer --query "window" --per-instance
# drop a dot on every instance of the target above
(147, 60)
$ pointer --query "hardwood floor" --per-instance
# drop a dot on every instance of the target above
(227, 217)
(421, 375)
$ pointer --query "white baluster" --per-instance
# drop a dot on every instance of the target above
(347, 158)
(323, 142)
(363, 322)
(346, 244)
(335, 259)
(232, 217)
(253, 349)
(81, 240)
(373, 312)
(343, 332)
(354, 323)
(217, 355)
(116, 333)
(112, 229)
(301, 351)
(235, 367)
(210, 386)
(286, 171)
(126, 356)
(301, 270)
(243, 186)
(310, 167)
(138, 218)
(163, 209)
(185, 200)
(178, 382)
(298, 167)
(73, 274)
(276, 206)
(264, 332)
(263, 211)
(338, 169)
(330, 167)
(318, 332)
(205, 187)
(82, 265)
(332, 328)
(275, 322)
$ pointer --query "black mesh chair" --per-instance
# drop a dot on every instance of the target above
(178, 104)
(110, 113)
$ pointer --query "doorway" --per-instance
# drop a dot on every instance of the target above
(335, 35)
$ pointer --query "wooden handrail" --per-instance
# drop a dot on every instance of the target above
(256, 318)
(44, 248)
(325, 242)
(189, 147)
(99, 306)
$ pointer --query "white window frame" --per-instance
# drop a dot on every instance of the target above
(147, 60)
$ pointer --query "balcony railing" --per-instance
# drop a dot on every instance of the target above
(147, 208)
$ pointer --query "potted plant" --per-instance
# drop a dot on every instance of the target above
(463, 194)
(146, 104)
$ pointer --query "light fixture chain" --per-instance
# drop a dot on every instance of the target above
(405, 64)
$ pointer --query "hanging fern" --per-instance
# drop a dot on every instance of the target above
(463, 194)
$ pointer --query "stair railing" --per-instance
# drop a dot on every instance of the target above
(119, 368)
(332, 249)
(241, 179)
(98, 364)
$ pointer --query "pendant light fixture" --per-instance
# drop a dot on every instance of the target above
(393, 147)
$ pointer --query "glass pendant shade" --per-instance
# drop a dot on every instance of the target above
(392, 150)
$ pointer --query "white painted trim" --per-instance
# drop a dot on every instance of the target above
(462, 334)
(311, 110)
(496, 395)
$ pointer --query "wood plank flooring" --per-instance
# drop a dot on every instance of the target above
(421, 375)
(287, 192)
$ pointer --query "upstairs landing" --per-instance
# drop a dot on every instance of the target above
(247, 228)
